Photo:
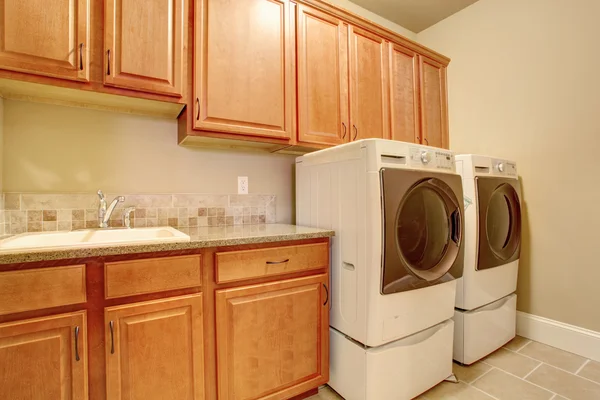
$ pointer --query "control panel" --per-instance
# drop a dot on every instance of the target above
(435, 159)
(503, 167)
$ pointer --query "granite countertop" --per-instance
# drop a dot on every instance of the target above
(201, 237)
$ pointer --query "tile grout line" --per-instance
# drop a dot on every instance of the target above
(531, 372)
(518, 377)
(554, 366)
(579, 376)
(583, 366)
(482, 375)
(522, 347)
(534, 384)
(484, 392)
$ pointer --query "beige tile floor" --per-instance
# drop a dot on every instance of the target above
(521, 370)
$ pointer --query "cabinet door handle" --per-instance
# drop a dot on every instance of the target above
(344, 125)
(327, 293)
(278, 262)
(77, 343)
(198, 109)
(108, 66)
(418, 139)
(81, 56)
(355, 132)
(426, 141)
(112, 337)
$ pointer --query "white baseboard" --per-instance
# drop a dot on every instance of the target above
(571, 338)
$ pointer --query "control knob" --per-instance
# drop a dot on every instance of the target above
(500, 167)
(425, 157)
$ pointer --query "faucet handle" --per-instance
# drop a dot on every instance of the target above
(127, 216)
(121, 199)
(101, 195)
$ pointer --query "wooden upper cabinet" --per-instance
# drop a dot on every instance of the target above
(44, 358)
(244, 78)
(145, 45)
(46, 37)
(368, 85)
(322, 77)
(404, 94)
(272, 339)
(434, 108)
(154, 350)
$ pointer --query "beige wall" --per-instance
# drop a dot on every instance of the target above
(62, 149)
(358, 10)
(524, 84)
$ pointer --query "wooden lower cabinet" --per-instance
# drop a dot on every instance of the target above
(155, 350)
(44, 358)
(272, 339)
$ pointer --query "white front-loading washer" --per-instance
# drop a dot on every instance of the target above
(397, 210)
(485, 315)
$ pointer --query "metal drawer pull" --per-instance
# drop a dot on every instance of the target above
(112, 337)
(327, 293)
(77, 343)
(355, 132)
(198, 110)
(81, 56)
(426, 141)
(108, 67)
(277, 262)
(344, 125)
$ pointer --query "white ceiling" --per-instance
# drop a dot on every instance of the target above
(415, 15)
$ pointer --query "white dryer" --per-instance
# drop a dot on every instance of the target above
(485, 316)
(397, 210)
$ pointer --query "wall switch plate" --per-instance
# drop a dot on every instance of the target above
(242, 185)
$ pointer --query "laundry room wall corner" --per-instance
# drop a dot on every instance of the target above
(515, 93)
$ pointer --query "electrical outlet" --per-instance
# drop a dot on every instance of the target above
(242, 185)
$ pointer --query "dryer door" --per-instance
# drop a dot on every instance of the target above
(499, 221)
(422, 227)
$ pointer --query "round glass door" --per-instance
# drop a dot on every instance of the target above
(503, 222)
(428, 229)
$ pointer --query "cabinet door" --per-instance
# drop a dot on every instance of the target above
(434, 110)
(144, 45)
(44, 358)
(244, 76)
(322, 78)
(154, 350)
(368, 85)
(46, 37)
(404, 94)
(272, 339)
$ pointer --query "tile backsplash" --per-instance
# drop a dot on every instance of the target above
(31, 212)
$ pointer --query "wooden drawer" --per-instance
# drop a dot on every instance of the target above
(34, 289)
(248, 264)
(129, 278)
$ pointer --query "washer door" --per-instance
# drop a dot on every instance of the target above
(422, 231)
(499, 221)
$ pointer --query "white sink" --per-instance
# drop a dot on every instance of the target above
(92, 238)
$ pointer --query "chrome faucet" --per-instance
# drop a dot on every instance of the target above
(105, 212)
(127, 217)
